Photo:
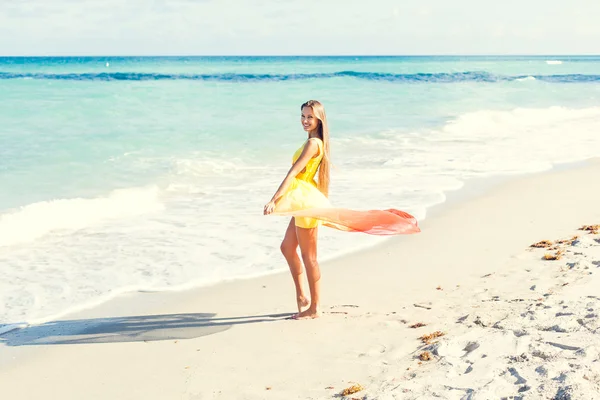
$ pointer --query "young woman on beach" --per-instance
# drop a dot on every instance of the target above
(305, 199)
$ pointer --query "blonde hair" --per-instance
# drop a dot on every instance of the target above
(319, 111)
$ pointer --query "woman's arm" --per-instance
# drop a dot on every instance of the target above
(310, 150)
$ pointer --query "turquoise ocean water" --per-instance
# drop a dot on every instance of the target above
(123, 174)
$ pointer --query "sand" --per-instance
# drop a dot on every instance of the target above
(512, 324)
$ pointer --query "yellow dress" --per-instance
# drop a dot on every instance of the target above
(303, 192)
(310, 208)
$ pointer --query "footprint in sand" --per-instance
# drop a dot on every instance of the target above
(542, 371)
(341, 309)
(374, 351)
(515, 374)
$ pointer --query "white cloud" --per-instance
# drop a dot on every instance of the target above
(289, 27)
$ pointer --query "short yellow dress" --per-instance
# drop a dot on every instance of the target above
(303, 192)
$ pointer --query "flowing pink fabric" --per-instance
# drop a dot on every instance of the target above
(373, 222)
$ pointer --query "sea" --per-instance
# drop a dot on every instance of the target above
(124, 174)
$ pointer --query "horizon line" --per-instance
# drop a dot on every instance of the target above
(302, 55)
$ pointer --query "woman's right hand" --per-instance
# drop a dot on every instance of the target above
(269, 207)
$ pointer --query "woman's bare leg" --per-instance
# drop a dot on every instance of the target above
(289, 247)
(307, 239)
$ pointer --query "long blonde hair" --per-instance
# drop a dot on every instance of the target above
(319, 111)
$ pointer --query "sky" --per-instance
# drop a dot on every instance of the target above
(287, 27)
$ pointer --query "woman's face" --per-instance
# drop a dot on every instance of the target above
(308, 119)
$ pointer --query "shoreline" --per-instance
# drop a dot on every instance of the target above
(470, 190)
(231, 340)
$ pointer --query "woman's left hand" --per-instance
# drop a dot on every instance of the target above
(269, 207)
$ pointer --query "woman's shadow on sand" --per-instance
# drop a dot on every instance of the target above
(141, 328)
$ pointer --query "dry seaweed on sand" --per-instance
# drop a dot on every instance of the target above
(567, 241)
(427, 339)
(555, 256)
(425, 356)
(592, 229)
(543, 244)
(417, 325)
(352, 389)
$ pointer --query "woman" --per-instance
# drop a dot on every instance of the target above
(305, 199)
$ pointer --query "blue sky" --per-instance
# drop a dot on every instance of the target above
(238, 27)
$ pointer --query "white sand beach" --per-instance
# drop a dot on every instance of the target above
(512, 324)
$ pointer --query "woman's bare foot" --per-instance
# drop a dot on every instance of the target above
(307, 314)
(302, 302)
